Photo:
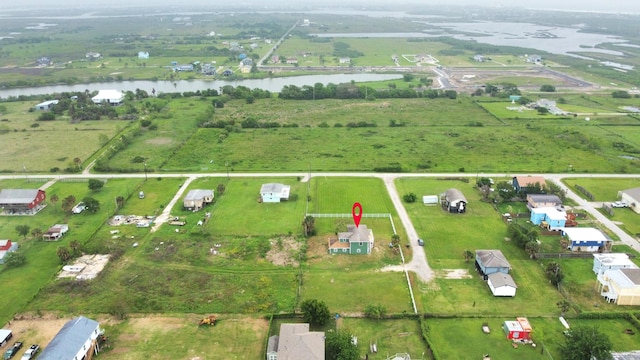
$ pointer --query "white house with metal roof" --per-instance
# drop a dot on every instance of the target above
(502, 284)
(274, 192)
(78, 339)
(111, 97)
(586, 239)
(46, 105)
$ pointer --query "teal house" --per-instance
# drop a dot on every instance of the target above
(356, 240)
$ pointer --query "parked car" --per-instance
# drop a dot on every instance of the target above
(619, 204)
(31, 352)
(420, 242)
(12, 351)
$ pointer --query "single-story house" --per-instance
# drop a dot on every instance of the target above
(621, 286)
(453, 201)
(22, 201)
(478, 58)
(44, 61)
(586, 239)
(78, 339)
(550, 218)
(7, 246)
(518, 330)
(501, 284)
(491, 261)
(534, 58)
(143, 55)
(185, 67)
(527, 183)
(55, 232)
(92, 55)
(631, 197)
(292, 60)
(274, 192)
(430, 199)
(344, 60)
(295, 342)
(542, 200)
(111, 97)
(46, 105)
(612, 261)
(196, 199)
(356, 240)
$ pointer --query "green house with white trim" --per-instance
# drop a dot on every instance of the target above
(356, 240)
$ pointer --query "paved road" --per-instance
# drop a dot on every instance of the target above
(418, 263)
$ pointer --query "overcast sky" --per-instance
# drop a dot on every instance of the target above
(626, 6)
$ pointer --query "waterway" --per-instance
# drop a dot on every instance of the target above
(270, 84)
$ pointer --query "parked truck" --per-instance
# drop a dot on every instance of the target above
(5, 336)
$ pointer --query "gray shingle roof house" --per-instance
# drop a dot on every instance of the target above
(492, 261)
(542, 200)
(197, 198)
(75, 340)
(296, 342)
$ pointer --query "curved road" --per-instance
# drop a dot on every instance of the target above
(418, 263)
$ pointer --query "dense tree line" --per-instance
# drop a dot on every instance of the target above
(353, 91)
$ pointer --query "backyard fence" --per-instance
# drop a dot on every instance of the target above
(585, 192)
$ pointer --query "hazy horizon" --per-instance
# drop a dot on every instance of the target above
(612, 6)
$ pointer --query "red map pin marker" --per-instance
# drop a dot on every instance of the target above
(358, 216)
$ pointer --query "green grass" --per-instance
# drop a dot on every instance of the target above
(602, 189)
(238, 211)
(390, 336)
(176, 336)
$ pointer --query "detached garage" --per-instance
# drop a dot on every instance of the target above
(502, 284)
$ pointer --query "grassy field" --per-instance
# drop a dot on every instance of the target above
(176, 336)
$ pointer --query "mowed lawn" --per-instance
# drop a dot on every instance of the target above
(239, 212)
(447, 236)
(176, 337)
(390, 336)
(42, 263)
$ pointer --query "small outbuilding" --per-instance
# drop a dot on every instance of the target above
(502, 284)
(196, 199)
(274, 192)
(430, 199)
(55, 232)
(453, 201)
(519, 330)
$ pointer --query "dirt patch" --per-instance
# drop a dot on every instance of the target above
(453, 274)
(159, 141)
(284, 251)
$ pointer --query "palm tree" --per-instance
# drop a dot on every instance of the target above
(63, 254)
(468, 255)
(54, 199)
(309, 225)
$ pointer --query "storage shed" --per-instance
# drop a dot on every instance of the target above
(430, 199)
(519, 330)
(502, 284)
